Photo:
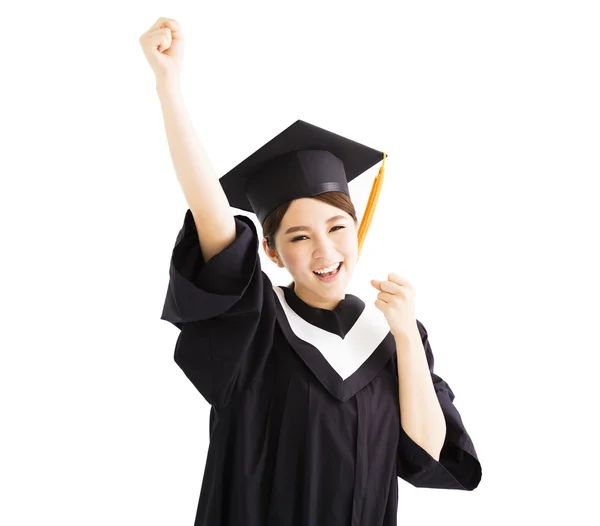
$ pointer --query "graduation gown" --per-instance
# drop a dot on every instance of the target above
(305, 415)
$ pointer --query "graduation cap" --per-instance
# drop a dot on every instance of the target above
(302, 161)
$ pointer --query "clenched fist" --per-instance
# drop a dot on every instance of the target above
(163, 46)
(397, 302)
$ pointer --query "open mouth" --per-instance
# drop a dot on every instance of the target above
(330, 276)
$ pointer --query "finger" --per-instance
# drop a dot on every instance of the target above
(156, 34)
(156, 25)
(160, 38)
(160, 22)
(387, 297)
(380, 304)
(175, 28)
(391, 287)
(376, 284)
(397, 278)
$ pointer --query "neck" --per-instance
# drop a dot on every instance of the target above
(315, 300)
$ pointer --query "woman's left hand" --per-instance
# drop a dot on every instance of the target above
(397, 302)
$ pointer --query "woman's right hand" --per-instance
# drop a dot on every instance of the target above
(163, 46)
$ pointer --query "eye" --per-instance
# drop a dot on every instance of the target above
(298, 238)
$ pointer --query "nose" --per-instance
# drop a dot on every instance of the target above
(325, 249)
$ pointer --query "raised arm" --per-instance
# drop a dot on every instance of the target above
(214, 219)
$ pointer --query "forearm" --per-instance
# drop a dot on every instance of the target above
(421, 414)
(197, 177)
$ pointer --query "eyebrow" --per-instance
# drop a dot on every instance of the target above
(293, 229)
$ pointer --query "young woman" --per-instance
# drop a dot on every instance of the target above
(319, 402)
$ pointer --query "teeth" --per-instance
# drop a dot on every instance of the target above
(328, 269)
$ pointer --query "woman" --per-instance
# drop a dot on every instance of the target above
(318, 401)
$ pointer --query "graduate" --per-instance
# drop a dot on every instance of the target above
(319, 401)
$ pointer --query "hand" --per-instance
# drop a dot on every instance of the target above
(397, 302)
(163, 46)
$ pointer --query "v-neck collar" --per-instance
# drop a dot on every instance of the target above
(343, 362)
(337, 321)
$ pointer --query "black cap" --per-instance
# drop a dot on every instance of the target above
(302, 161)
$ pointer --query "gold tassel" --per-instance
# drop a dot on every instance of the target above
(371, 205)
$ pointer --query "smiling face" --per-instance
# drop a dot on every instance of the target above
(309, 239)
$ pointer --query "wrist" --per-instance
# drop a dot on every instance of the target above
(167, 85)
(407, 336)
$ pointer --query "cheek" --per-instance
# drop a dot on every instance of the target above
(350, 246)
(294, 259)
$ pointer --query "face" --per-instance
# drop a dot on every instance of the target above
(320, 243)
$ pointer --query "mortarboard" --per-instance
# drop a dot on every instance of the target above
(302, 161)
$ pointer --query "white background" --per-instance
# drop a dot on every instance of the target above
(489, 112)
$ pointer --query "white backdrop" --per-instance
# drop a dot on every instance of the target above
(489, 113)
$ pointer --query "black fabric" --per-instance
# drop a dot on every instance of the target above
(284, 450)
(458, 467)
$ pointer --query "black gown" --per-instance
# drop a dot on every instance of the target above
(305, 420)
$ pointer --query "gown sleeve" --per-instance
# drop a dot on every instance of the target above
(458, 467)
(223, 309)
